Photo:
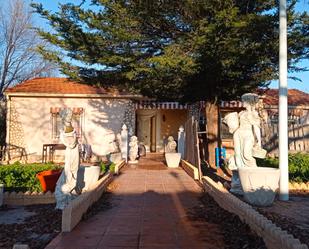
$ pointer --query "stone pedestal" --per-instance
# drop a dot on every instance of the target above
(259, 184)
(172, 159)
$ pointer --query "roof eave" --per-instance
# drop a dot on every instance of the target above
(73, 95)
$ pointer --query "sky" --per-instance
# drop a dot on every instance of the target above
(302, 5)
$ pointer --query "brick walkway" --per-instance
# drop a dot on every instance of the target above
(149, 211)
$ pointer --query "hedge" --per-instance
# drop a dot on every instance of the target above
(298, 166)
(22, 177)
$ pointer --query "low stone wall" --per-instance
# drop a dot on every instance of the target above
(72, 214)
(273, 236)
(28, 198)
(190, 169)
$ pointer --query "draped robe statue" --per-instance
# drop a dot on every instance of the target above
(67, 183)
(245, 127)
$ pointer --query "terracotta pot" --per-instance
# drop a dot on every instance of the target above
(48, 179)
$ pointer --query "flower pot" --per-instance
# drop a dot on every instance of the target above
(48, 179)
(259, 184)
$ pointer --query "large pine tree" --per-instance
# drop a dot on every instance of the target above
(186, 50)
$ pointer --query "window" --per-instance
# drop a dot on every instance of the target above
(57, 126)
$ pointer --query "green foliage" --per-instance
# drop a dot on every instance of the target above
(298, 166)
(112, 168)
(22, 177)
(105, 167)
(190, 50)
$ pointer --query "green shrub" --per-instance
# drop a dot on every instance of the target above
(103, 167)
(112, 167)
(22, 177)
(107, 167)
(298, 166)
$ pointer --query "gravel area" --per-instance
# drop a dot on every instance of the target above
(41, 224)
(292, 216)
(235, 233)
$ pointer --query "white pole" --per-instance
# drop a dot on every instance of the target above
(283, 106)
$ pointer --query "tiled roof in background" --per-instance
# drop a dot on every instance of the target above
(295, 97)
(59, 86)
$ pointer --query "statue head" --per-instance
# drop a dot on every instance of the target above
(170, 139)
(232, 121)
(133, 139)
(66, 117)
(250, 99)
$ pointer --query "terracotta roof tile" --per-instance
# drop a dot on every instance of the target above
(60, 86)
(295, 97)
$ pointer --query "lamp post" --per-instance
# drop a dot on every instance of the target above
(283, 105)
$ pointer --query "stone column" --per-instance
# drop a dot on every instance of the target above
(181, 141)
(124, 142)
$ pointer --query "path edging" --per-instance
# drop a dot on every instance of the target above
(72, 214)
(273, 236)
(28, 198)
(190, 169)
(299, 186)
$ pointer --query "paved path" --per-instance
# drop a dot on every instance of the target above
(149, 211)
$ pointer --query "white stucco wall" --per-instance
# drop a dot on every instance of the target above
(102, 118)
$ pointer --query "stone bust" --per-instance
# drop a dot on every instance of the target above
(171, 145)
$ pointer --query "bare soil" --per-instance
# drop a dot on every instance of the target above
(235, 233)
(35, 230)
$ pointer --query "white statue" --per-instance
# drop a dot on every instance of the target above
(171, 156)
(67, 183)
(245, 128)
(171, 145)
(133, 151)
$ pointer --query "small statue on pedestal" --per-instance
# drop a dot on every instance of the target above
(67, 183)
(133, 151)
(171, 145)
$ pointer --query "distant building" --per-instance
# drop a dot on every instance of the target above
(34, 106)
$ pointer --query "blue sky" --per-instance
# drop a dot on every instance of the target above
(301, 6)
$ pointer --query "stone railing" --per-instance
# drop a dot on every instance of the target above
(72, 214)
(28, 198)
(273, 236)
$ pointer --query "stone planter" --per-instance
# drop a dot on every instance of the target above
(48, 179)
(172, 159)
(87, 175)
(259, 184)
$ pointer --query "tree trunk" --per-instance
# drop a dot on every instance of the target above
(212, 117)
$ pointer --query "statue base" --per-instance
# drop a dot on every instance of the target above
(172, 159)
(235, 183)
(133, 162)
